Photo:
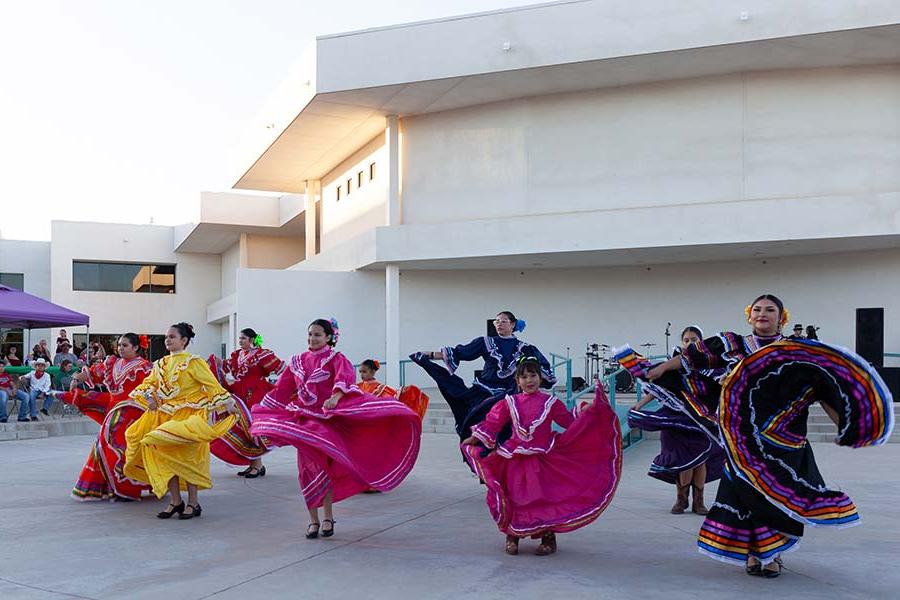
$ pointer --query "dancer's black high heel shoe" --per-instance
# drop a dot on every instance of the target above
(330, 531)
(253, 472)
(195, 512)
(312, 531)
(167, 514)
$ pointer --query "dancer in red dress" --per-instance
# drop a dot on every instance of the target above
(245, 374)
(347, 441)
(101, 477)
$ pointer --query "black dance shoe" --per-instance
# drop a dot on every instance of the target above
(330, 531)
(167, 514)
(254, 473)
(195, 512)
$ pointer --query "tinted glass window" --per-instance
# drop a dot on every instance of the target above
(123, 277)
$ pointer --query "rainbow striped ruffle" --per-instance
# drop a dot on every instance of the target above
(762, 417)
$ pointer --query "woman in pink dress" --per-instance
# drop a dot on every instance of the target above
(540, 482)
(347, 441)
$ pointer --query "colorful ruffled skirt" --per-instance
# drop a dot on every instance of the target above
(162, 445)
(683, 445)
(102, 476)
(237, 446)
(365, 443)
(772, 486)
(562, 489)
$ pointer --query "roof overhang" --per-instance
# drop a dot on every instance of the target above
(225, 216)
(337, 97)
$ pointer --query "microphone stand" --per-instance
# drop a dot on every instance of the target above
(668, 325)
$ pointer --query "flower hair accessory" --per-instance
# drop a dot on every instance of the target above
(337, 330)
(519, 326)
(143, 341)
(526, 357)
(377, 364)
(258, 341)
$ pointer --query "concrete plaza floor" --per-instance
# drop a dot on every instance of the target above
(431, 538)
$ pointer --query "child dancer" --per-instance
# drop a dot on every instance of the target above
(541, 482)
(409, 395)
(347, 441)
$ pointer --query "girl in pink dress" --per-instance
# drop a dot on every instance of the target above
(347, 441)
(541, 482)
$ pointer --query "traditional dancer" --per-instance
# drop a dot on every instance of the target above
(771, 486)
(108, 403)
(347, 441)
(245, 374)
(500, 352)
(168, 446)
(410, 395)
(541, 482)
(688, 458)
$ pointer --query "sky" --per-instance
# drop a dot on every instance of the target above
(125, 110)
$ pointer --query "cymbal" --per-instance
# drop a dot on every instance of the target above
(648, 344)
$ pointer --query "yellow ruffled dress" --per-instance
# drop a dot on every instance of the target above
(174, 439)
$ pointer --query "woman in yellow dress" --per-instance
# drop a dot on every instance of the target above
(168, 447)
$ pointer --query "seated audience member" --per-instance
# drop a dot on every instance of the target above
(64, 353)
(7, 391)
(67, 371)
(12, 357)
(38, 387)
(44, 351)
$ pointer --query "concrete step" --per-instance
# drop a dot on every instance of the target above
(31, 435)
(48, 427)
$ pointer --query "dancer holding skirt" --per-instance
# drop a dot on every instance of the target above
(347, 441)
(541, 482)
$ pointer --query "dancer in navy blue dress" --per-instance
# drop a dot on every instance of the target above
(470, 404)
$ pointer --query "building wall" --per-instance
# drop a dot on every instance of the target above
(270, 252)
(198, 280)
(355, 299)
(32, 259)
(364, 207)
(570, 308)
(786, 134)
(231, 261)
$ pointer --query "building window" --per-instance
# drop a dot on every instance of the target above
(349, 183)
(123, 277)
(13, 280)
(359, 180)
(371, 171)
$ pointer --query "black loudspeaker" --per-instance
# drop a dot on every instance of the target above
(891, 376)
(870, 335)
(491, 330)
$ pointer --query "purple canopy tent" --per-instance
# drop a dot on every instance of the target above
(18, 309)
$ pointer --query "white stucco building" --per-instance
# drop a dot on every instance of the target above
(600, 169)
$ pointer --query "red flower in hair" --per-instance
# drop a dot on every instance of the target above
(144, 341)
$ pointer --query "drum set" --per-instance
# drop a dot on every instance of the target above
(598, 364)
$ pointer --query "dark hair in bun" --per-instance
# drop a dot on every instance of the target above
(371, 364)
(185, 330)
